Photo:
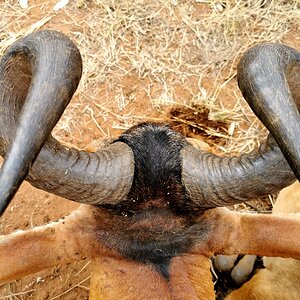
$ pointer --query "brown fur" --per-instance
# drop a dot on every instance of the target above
(123, 279)
(104, 236)
(152, 224)
(75, 237)
(280, 280)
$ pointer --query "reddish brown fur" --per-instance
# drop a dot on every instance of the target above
(281, 277)
(149, 232)
(69, 240)
(97, 234)
(123, 279)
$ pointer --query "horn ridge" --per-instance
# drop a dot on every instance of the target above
(44, 80)
(268, 77)
(38, 77)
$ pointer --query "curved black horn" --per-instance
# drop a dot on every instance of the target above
(267, 76)
(38, 76)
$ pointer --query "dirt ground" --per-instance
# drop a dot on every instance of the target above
(143, 60)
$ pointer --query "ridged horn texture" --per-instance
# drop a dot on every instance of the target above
(267, 76)
(38, 76)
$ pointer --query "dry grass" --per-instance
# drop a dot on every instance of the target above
(159, 52)
(143, 56)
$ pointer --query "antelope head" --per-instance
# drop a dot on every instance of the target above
(152, 195)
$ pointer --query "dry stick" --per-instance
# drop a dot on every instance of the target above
(71, 288)
(213, 271)
(82, 268)
(17, 294)
(206, 129)
(27, 30)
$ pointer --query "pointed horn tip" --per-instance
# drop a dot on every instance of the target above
(32, 43)
(11, 177)
(5, 199)
(263, 69)
(3, 206)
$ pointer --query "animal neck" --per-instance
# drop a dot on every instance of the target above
(114, 278)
